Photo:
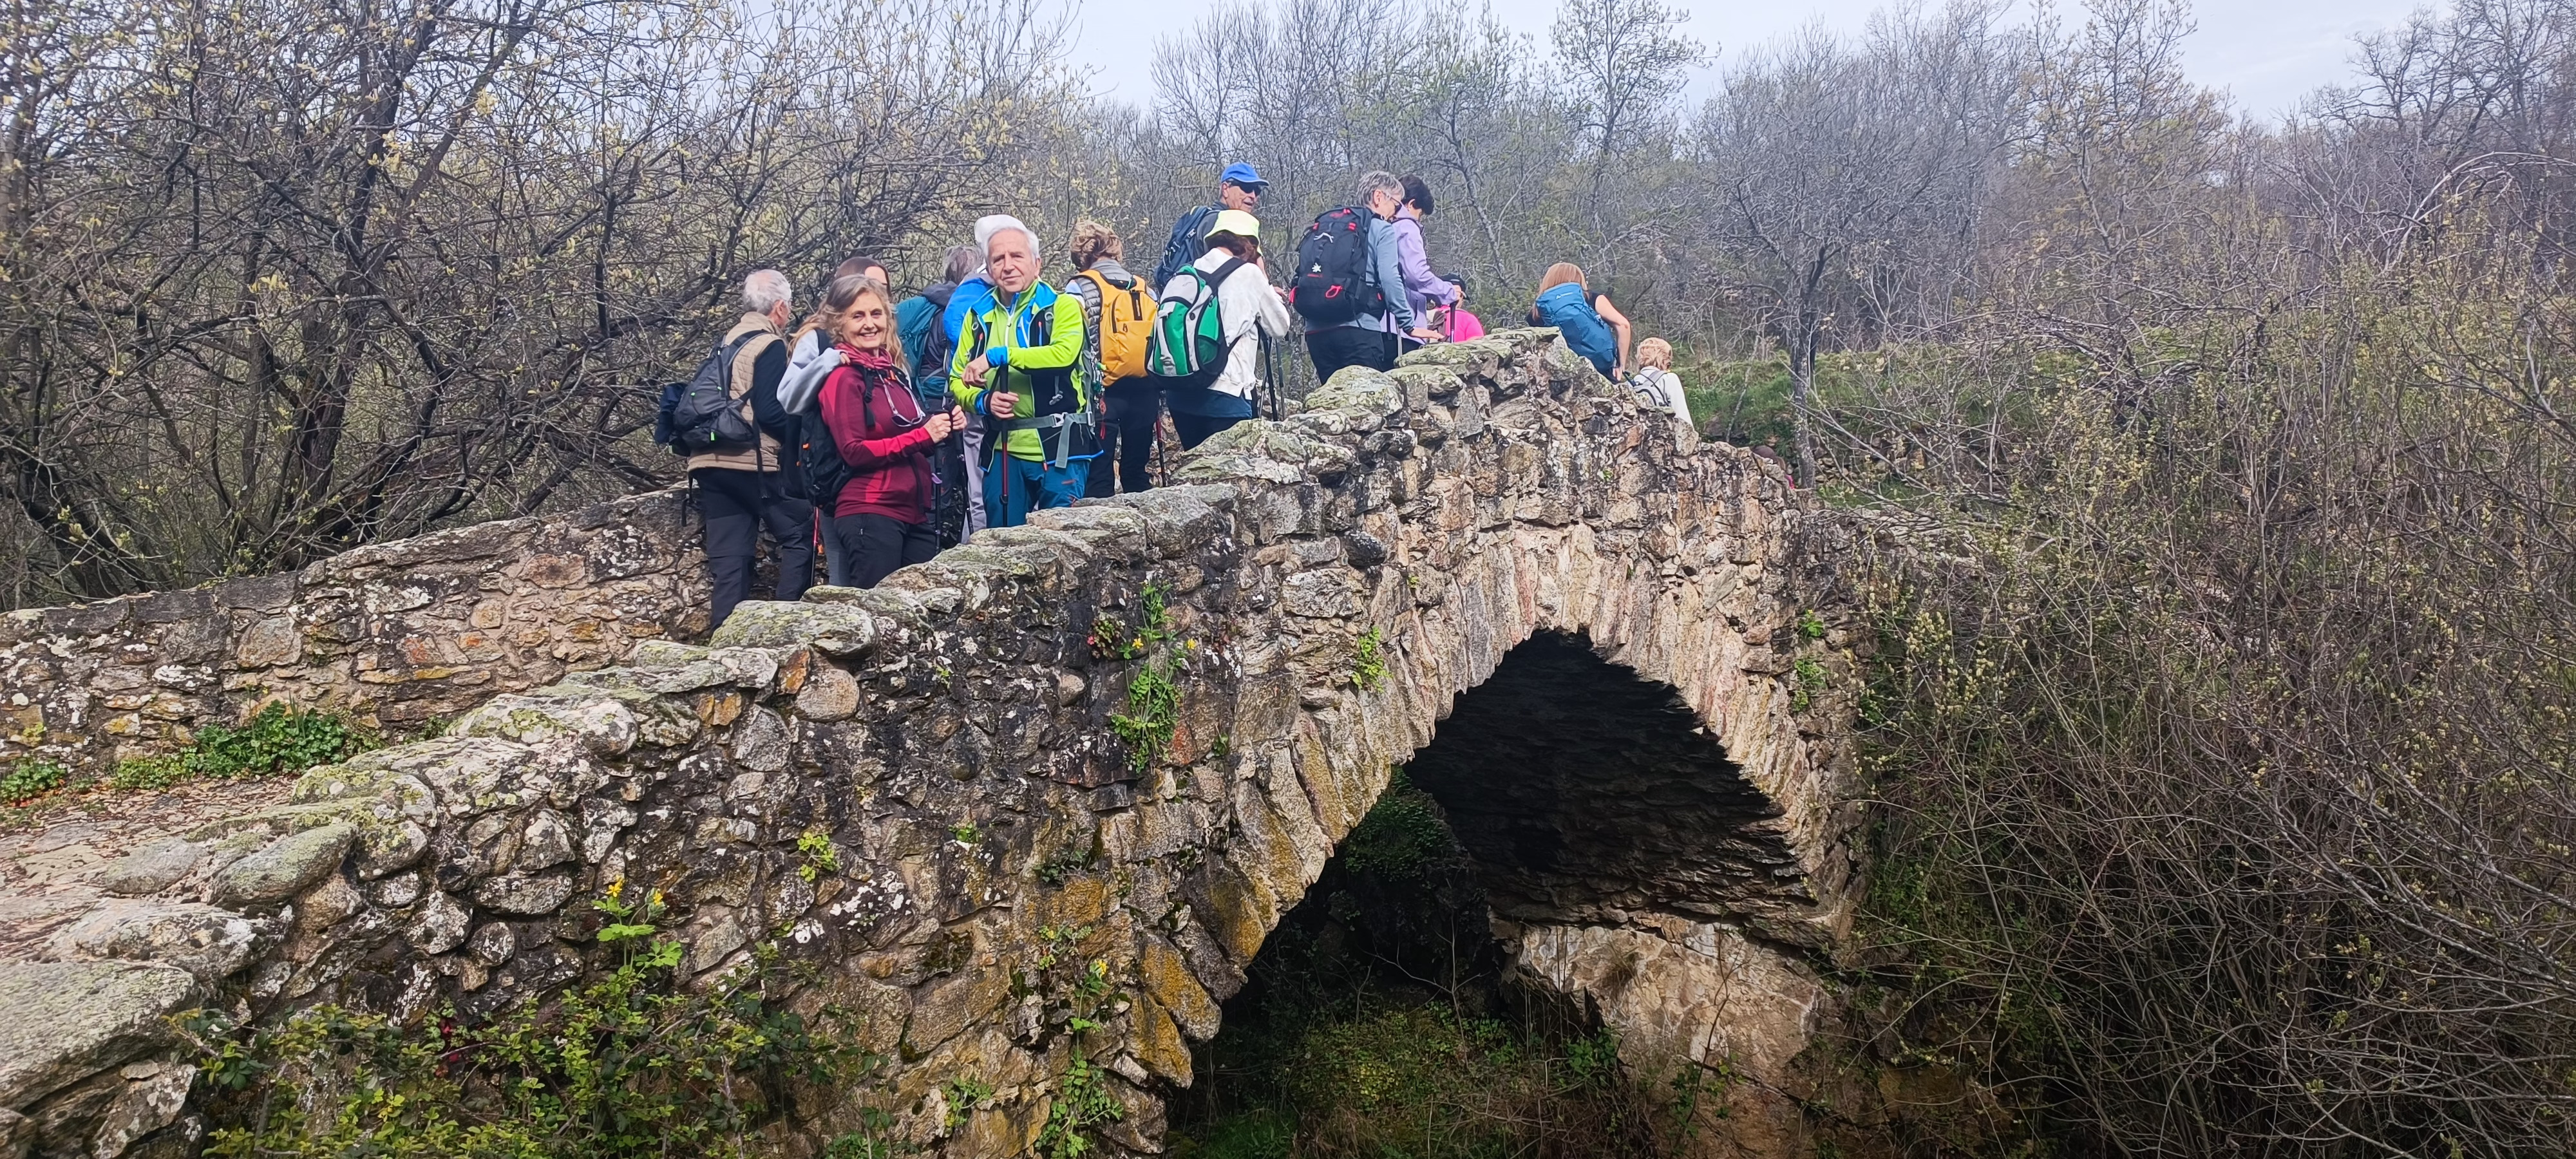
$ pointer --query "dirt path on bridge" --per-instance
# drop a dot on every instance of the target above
(51, 854)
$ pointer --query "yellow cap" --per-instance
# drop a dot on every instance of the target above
(1235, 221)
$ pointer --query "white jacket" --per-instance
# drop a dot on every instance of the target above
(1658, 387)
(1246, 302)
(808, 364)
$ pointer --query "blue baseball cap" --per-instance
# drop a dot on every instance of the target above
(1243, 175)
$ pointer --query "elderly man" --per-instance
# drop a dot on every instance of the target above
(1019, 365)
(741, 489)
(1239, 188)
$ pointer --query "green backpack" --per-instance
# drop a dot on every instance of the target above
(1187, 347)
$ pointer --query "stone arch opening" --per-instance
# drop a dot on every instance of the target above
(1589, 795)
(1574, 802)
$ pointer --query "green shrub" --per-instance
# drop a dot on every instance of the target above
(627, 1064)
(29, 779)
(1400, 835)
(1420, 1081)
(276, 739)
(143, 774)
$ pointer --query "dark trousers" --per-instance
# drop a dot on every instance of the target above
(1196, 429)
(948, 503)
(1340, 346)
(878, 544)
(736, 505)
(1128, 439)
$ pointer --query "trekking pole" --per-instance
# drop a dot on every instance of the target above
(1270, 378)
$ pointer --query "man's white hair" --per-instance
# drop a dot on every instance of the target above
(766, 290)
(999, 223)
(1377, 181)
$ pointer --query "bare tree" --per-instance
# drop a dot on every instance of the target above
(280, 285)
(1835, 173)
(1624, 62)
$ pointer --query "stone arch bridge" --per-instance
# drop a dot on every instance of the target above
(1131, 732)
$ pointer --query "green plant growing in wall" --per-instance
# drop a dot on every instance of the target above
(1082, 1103)
(966, 833)
(1111, 639)
(632, 926)
(1811, 626)
(814, 846)
(1368, 660)
(1059, 941)
(1807, 678)
(965, 1093)
(1054, 870)
(1153, 714)
(878, 1137)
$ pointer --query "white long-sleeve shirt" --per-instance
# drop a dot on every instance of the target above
(1246, 302)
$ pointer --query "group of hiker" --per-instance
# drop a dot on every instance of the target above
(881, 431)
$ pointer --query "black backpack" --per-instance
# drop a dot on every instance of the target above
(703, 414)
(1332, 284)
(818, 455)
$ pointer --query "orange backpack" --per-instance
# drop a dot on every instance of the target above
(1126, 319)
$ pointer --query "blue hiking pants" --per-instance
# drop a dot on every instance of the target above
(1018, 484)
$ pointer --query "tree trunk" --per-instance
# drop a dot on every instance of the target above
(1802, 382)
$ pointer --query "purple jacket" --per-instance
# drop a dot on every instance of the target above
(1423, 289)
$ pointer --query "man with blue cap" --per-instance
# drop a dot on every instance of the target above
(1238, 188)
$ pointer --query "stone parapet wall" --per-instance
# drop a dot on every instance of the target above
(1329, 587)
(396, 635)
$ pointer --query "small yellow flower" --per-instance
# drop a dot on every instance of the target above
(615, 888)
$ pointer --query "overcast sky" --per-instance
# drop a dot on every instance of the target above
(2267, 53)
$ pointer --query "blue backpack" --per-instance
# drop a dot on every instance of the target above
(916, 323)
(1569, 309)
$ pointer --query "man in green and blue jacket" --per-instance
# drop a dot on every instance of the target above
(1019, 364)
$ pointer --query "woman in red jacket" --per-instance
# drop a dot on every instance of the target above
(882, 517)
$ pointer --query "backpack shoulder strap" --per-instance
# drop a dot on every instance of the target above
(1217, 279)
(746, 354)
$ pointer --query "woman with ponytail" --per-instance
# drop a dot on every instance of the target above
(880, 514)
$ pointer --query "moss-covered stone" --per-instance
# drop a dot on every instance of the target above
(284, 867)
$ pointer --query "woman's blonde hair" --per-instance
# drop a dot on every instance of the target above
(844, 295)
(1655, 352)
(1093, 241)
(1559, 274)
